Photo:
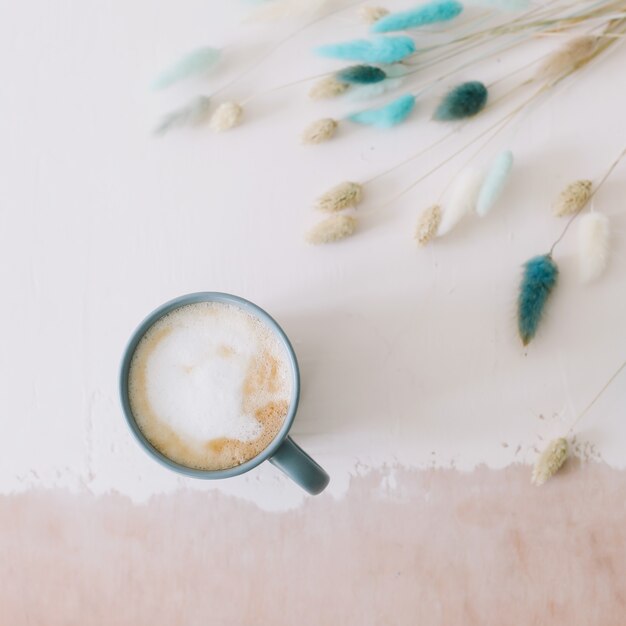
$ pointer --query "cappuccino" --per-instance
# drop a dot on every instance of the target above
(210, 385)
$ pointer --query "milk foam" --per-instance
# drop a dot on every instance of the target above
(209, 385)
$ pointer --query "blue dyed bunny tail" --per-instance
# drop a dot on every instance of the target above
(387, 116)
(436, 11)
(197, 62)
(494, 182)
(377, 50)
(540, 277)
(367, 92)
(464, 100)
(361, 75)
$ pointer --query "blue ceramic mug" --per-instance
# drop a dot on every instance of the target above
(282, 452)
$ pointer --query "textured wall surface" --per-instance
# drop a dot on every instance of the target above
(417, 395)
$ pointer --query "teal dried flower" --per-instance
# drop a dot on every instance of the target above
(361, 75)
(462, 101)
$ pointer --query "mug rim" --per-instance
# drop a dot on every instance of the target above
(129, 351)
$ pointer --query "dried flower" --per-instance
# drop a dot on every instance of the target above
(369, 92)
(568, 57)
(495, 181)
(328, 87)
(593, 245)
(427, 224)
(372, 14)
(361, 74)
(343, 196)
(226, 116)
(573, 198)
(464, 100)
(462, 201)
(332, 229)
(376, 50)
(193, 113)
(320, 131)
(387, 116)
(195, 63)
(550, 461)
(422, 15)
(540, 277)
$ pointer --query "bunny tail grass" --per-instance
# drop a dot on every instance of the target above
(194, 113)
(372, 14)
(430, 13)
(494, 183)
(538, 281)
(328, 87)
(550, 461)
(367, 92)
(361, 75)
(390, 115)
(568, 57)
(573, 198)
(332, 229)
(395, 77)
(320, 131)
(593, 245)
(462, 200)
(226, 116)
(195, 63)
(462, 101)
(427, 224)
(340, 197)
(377, 50)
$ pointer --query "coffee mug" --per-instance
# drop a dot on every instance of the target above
(282, 452)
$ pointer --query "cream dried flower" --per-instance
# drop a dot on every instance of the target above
(320, 131)
(328, 87)
(226, 116)
(427, 224)
(567, 58)
(550, 461)
(573, 198)
(370, 15)
(343, 196)
(332, 229)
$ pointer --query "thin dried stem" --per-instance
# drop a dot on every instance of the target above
(596, 397)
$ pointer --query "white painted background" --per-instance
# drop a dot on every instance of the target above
(408, 356)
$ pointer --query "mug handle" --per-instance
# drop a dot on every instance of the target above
(291, 459)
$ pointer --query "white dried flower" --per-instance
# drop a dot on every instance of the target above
(332, 229)
(573, 198)
(428, 224)
(320, 131)
(462, 200)
(328, 87)
(343, 196)
(550, 461)
(226, 116)
(372, 14)
(594, 234)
